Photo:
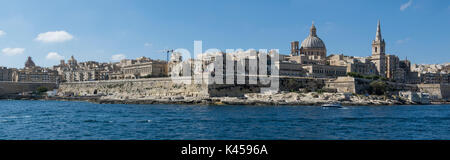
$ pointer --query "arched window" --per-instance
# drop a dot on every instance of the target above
(376, 49)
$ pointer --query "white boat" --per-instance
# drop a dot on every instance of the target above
(334, 105)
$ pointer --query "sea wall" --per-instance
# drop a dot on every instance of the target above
(287, 84)
(361, 86)
(292, 84)
(226, 90)
(165, 87)
(14, 88)
(436, 91)
(348, 85)
(133, 89)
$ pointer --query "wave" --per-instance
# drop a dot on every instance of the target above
(144, 121)
(15, 117)
(395, 118)
(96, 121)
(6, 121)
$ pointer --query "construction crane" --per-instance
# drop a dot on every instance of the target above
(167, 51)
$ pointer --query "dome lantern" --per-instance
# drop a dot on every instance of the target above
(313, 41)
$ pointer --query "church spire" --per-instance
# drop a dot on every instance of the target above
(313, 30)
(378, 37)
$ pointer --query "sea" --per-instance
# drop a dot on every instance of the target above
(64, 120)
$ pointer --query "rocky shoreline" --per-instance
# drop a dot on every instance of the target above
(290, 99)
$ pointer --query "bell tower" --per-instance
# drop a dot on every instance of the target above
(379, 52)
(378, 45)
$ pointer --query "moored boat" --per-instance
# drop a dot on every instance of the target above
(333, 105)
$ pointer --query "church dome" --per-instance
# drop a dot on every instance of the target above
(29, 63)
(312, 41)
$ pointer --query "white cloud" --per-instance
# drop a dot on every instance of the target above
(118, 57)
(406, 5)
(54, 37)
(13, 51)
(401, 41)
(2, 33)
(148, 44)
(54, 56)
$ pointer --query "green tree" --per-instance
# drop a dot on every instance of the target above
(42, 89)
(354, 74)
(147, 76)
(378, 87)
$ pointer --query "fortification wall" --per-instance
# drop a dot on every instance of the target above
(224, 90)
(165, 87)
(290, 84)
(436, 91)
(134, 89)
(10, 88)
(361, 86)
(445, 91)
(349, 85)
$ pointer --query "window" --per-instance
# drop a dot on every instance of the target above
(376, 49)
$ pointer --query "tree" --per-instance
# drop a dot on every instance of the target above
(354, 74)
(378, 87)
(42, 89)
(147, 76)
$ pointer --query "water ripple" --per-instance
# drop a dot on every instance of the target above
(38, 120)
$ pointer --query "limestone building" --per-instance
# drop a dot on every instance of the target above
(143, 67)
(325, 71)
(292, 69)
(33, 73)
(392, 65)
(434, 78)
(5, 74)
(403, 73)
(431, 73)
(359, 65)
(72, 71)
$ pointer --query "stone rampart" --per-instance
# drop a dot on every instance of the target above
(349, 85)
(165, 87)
(134, 89)
(11, 88)
(436, 91)
(361, 86)
(292, 84)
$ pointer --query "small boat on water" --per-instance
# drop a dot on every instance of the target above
(334, 105)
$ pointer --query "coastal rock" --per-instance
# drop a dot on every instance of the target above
(151, 92)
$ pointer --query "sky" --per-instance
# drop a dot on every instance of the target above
(110, 30)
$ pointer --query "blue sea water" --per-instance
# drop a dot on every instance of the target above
(57, 120)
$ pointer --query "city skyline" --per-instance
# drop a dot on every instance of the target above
(411, 28)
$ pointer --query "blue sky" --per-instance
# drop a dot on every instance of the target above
(98, 29)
